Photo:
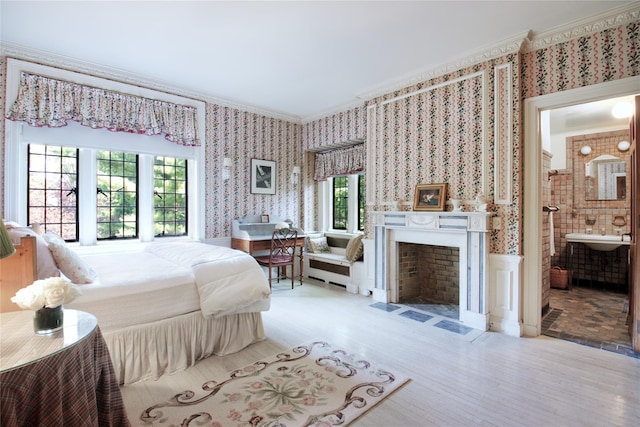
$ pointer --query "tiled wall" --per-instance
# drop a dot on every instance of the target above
(568, 193)
(430, 273)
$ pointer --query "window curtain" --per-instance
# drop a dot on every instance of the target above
(43, 101)
(339, 162)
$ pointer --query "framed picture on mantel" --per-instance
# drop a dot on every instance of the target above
(430, 197)
(263, 177)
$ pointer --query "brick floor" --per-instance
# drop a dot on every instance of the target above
(591, 317)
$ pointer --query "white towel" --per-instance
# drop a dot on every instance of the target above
(552, 245)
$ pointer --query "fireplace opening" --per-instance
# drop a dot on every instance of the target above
(428, 278)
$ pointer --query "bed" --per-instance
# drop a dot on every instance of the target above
(165, 306)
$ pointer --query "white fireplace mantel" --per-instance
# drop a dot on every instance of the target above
(465, 230)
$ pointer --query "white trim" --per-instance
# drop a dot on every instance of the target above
(532, 248)
(372, 116)
(496, 50)
(433, 87)
(612, 18)
(505, 292)
(501, 162)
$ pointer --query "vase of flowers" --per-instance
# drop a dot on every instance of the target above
(46, 298)
(48, 320)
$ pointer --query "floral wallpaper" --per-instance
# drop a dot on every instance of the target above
(338, 128)
(608, 55)
(441, 131)
(242, 136)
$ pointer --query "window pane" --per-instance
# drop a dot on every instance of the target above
(340, 202)
(52, 198)
(117, 198)
(170, 196)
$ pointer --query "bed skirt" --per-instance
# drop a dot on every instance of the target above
(150, 350)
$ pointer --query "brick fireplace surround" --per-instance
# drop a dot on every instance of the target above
(428, 273)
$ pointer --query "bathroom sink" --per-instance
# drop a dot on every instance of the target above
(597, 242)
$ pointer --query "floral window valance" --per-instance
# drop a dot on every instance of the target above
(339, 162)
(43, 101)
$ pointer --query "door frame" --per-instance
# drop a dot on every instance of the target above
(532, 168)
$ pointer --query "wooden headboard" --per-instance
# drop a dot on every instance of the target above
(17, 271)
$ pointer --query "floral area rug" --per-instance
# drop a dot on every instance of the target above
(312, 385)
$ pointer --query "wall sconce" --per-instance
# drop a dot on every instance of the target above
(623, 146)
(226, 168)
(294, 174)
(586, 150)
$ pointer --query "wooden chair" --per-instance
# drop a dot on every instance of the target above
(281, 254)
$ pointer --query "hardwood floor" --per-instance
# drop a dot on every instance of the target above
(470, 379)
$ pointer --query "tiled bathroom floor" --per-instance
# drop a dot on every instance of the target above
(591, 317)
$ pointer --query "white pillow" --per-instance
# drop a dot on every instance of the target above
(45, 265)
(319, 245)
(69, 262)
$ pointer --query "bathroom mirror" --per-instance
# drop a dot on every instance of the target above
(605, 178)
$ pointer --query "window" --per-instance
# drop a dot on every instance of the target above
(87, 142)
(117, 195)
(170, 196)
(52, 189)
(361, 202)
(59, 197)
(340, 196)
(343, 206)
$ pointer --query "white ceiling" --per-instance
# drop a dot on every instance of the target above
(591, 117)
(301, 59)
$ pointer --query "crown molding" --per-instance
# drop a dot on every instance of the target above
(17, 51)
(610, 19)
(524, 42)
(496, 50)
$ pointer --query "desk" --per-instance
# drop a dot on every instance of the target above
(64, 379)
(263, 243)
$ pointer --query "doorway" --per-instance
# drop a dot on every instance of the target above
(586, 162)
(533, 202)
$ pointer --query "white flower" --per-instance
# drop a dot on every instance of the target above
(282, 226)
(29, 298)
(48, 293)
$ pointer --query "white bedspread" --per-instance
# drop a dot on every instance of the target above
(165, 280)
(227, 280)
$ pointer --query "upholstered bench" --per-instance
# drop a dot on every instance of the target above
(335, 258)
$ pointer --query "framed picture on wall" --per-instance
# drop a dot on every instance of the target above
(430, 197)
(263, 177)
(264, 218)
